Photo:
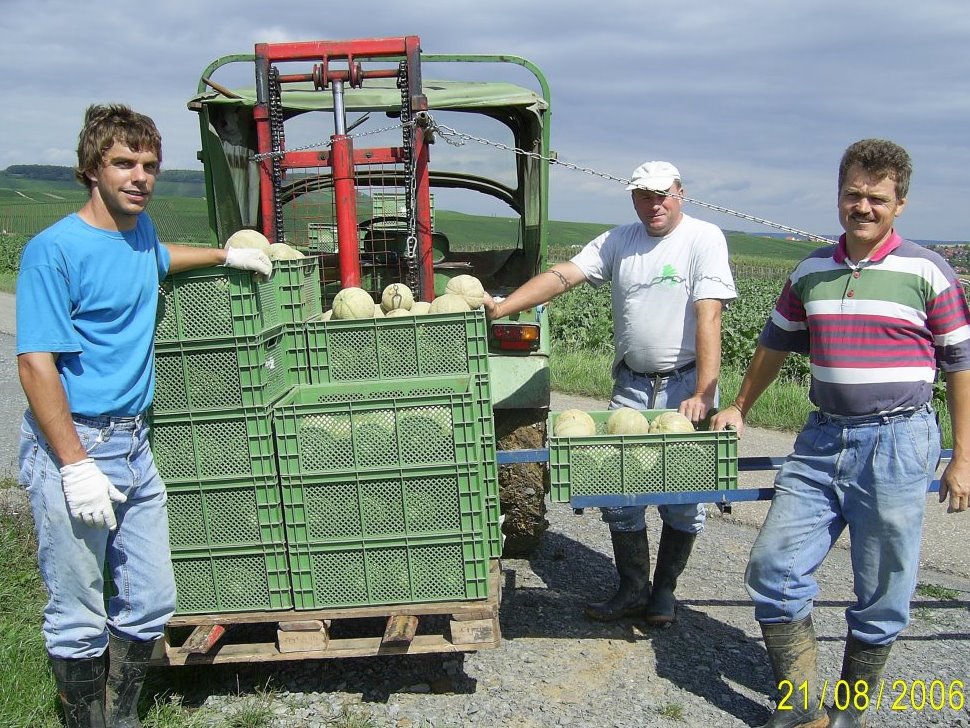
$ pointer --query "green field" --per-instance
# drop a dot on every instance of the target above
(28, 206)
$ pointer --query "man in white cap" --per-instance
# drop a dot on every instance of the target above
(670, 281)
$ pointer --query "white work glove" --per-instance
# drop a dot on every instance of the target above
(249, 259)
(90, 495)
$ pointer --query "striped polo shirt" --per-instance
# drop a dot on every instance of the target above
(876, 331)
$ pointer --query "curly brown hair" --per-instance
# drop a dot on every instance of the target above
(880, 158)
(105, 124)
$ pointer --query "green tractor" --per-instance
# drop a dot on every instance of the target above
(343, 150)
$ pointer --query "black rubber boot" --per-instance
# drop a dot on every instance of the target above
(793, 654)
(80, 686)
(672, 555)
(631, 550)
(127, 666)
(861, 662)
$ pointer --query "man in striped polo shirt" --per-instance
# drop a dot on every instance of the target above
(877, 315)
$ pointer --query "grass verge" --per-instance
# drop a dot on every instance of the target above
(27, 696)
(8, 282)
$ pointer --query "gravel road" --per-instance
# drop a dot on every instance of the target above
(555, 668)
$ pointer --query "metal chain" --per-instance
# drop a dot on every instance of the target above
(277, 143)
(458, 138)
(410, 172)
(321, 144)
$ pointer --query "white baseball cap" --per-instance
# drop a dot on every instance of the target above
(655, 176)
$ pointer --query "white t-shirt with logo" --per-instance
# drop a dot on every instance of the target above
(655, 283)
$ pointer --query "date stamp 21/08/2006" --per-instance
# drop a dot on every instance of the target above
(898, 695)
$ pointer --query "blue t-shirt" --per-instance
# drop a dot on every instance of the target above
(91, 297)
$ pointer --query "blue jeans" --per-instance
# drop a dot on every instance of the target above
(72, 556)
(635, 390)
(870, 474)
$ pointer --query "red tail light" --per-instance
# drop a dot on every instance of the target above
(516, 337)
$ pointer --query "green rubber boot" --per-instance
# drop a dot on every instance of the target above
(631, 550)
(127, 667)
(672, 555)
(864, 663)
(793, 654)
(80, 686)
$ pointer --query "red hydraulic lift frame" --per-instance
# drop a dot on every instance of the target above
(342, 158)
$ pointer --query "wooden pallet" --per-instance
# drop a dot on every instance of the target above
(313, 634)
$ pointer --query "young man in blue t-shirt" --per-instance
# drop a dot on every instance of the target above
(87, 294)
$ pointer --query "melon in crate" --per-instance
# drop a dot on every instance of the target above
(426, 435)
(644, 462)
(249, 239)
(670, 422)
(596, 467)
(326, 439)
(627, 421)
(374, 439)
(397, 296)
(574, 423)
(467, 287)
(352, 303)
(449, 303)
(282, 251)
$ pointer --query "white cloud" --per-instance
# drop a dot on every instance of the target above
(754, 99)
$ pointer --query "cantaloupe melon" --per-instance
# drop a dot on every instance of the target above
(645, 461)
(574, 423)
(420, 308)
(670, 422)
(627, 421)
(282, 251)
(448, 303)
(353, 303)
(397, 295)
(249, 239)
(469, 288)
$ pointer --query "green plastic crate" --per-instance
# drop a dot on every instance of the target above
(324, 429)
(605, 464)
(402, 571)
(214, 303)
(493, 512)
(296, 284)
(493, 526)
(192, 447)
(232, 579)
(405, 347)
(251, 371)
(442, 500)
(224, 513)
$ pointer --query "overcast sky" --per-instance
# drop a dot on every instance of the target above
(754, 100)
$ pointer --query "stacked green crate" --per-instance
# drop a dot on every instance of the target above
(404, 348)
(227, 346)
(381, 463)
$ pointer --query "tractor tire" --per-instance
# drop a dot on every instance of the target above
(522, 486)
